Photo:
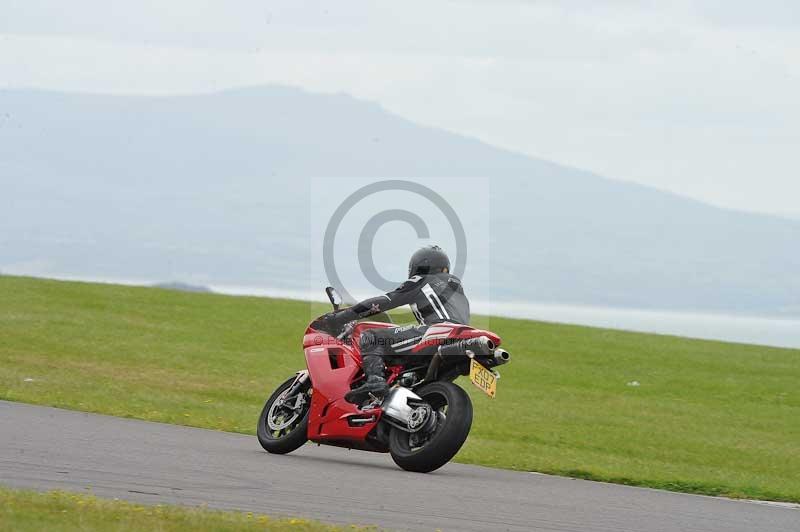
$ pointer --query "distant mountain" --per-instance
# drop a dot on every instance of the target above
(213, 189)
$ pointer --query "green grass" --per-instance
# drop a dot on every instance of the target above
(59, 511)
(708, 417)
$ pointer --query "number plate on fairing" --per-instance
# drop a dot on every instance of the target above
(484, 379)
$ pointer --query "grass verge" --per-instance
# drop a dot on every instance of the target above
(60, 511)
(706, 417)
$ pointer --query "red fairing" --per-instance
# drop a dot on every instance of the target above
(332, 369)
(333, 365)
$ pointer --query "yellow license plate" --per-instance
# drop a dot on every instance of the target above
(484, 379)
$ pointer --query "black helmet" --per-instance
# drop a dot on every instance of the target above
(430, 259)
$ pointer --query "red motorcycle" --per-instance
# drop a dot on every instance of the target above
(422, 421)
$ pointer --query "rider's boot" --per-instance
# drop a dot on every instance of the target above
(375, 384)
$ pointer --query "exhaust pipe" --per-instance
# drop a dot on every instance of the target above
(501, 356)
(480, 346)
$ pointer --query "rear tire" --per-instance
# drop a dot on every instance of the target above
(454, 409)
(292, 436)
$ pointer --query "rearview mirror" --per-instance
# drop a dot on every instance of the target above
(333, 295)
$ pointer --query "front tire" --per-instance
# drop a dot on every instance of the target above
(426, 452)
(282, 428)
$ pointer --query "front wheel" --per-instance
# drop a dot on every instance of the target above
(428, 450)
(283, 423)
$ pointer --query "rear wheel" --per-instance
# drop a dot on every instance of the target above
(283, 423)
(428, 450)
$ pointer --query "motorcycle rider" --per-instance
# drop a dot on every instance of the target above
(435, 296)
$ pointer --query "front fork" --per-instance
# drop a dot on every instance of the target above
(299, 381)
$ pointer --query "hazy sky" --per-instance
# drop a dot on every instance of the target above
(700, 98)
